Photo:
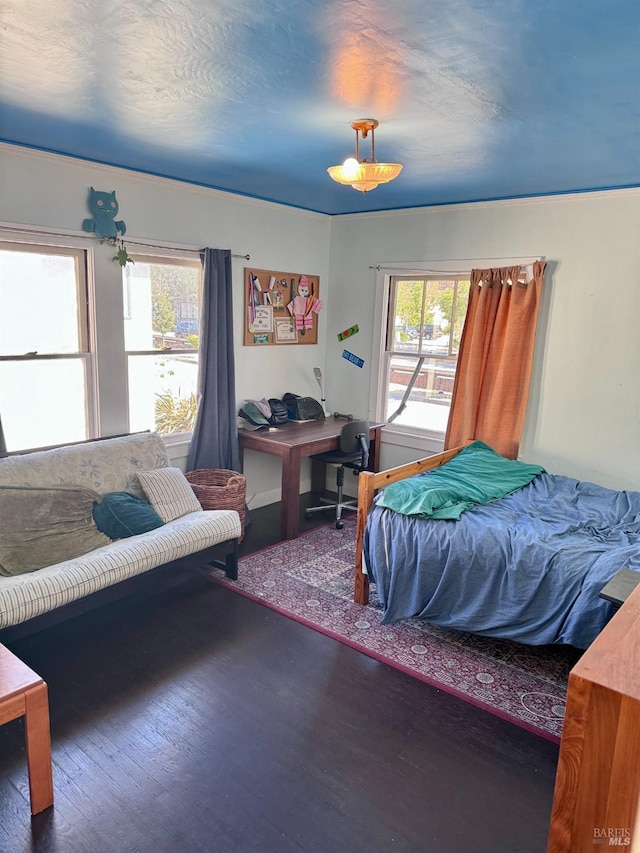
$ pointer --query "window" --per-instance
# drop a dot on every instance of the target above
(70, 368)
(424, 320)
(46, 385)
(161, 326)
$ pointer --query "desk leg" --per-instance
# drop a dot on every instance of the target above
(290, 498)
(318, 477)
(38, 741)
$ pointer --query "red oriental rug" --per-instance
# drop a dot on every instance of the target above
(310, 579)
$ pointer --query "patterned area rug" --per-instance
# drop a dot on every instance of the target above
(310, 579)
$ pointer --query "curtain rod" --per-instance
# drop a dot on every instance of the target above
(28, 229)
(524, 261)
(144, 244)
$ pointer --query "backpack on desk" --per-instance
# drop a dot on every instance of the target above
(279, 412)
(302, 408)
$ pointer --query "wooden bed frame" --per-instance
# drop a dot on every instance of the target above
(597, 791)
(368, 484)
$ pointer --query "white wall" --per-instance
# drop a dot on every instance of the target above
(584, 408)
(48, 191)
(584, 412)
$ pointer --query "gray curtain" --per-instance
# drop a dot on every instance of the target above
(215, 436)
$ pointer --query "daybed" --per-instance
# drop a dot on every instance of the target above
(48, 503)
(475, 550)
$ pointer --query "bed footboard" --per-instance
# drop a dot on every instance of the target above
(368, 484)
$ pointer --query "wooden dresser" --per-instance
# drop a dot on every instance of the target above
(597, 792)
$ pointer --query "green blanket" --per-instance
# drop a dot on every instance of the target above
(477, 475)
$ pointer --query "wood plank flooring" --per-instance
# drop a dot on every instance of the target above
(192, 719)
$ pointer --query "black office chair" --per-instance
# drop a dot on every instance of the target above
(353, 453)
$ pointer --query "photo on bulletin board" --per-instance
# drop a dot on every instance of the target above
(281, 308)
(285, 331)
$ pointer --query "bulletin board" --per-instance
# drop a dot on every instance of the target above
(280, 308)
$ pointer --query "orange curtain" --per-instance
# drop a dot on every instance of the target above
(494, 362)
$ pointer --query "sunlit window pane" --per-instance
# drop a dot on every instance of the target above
(161, 306)
(45, 364)
(162, 392)
(428, 318)
(462, 299)
(43, 402)
(162, 313)
(428, 404)
(39, 307)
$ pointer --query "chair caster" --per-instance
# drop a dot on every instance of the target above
(339, 525)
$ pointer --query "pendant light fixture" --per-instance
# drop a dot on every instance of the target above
(365, 174)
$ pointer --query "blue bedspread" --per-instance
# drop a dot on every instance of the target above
(527, 567)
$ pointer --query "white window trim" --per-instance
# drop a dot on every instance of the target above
(179, 440)
(29, 236)
(428, 441)
(52, 245)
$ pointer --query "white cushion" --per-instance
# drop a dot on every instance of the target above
(169, 492)
(25, 596)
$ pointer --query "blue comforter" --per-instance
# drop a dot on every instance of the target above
(527, 567)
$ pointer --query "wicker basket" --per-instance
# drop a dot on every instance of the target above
(219, 488)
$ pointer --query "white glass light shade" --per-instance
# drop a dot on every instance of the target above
(364, 176)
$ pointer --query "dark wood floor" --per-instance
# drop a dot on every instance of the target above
(192, 719)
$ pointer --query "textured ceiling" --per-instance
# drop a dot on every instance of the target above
(479, 99)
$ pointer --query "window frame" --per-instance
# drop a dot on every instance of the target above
(403, 435)
(170, 258)
(86, 332)
(391, 350)
(107, 410)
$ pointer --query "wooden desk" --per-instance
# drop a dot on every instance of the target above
(292, 442)
(24, 694)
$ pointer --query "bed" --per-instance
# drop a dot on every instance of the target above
(523, 560)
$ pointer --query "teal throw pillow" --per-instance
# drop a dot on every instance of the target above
(121, 514)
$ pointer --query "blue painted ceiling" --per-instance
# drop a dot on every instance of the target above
(479, 99)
